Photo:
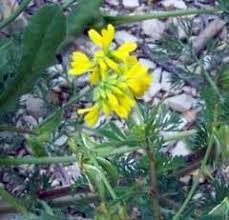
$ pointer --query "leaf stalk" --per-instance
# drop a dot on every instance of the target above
(117, 20)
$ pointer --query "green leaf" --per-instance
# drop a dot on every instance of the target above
(94, 174)
(222, 209)
(44, 33)
(37, 146)
(112, 131)
(51, 123)
(224, 79)
(224, 5)
(117, 130)
(87, 141)
(83, 15)
(10, 51)
(108, 167)
(37, 143)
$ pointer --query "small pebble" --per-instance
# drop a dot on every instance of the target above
(180, 149)
(123, 36)
(153, 28)
(180, 103)
(130, 4)
(178, 4)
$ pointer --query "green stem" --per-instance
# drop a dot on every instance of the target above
(103, 152)
(116, 20)
(110, 151)
(37, 160)
(13, 201)
(19, 10)
(196, 180)
(212, 83)
(153, 182)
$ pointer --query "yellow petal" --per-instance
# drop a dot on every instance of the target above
(94, 77)
(113, 101)
(117, 90)
(108, 35)
(99, 54)
(102, 65)
(80, 63)
(124, 50)
(92, 116)
(128, 101)
(130, 61)
(121, 112)
(135, 87)
(136, 71)
(91, 119)
(106, 108)
(122, 85)
(127, 47)
(110, 63)
(139, 84)
(103, 74)
(85, 110)
(95, 37)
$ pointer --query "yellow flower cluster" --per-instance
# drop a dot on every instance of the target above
(118, 77)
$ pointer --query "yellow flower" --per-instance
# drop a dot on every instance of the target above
(102, 59)
(109, 97)
(118, 76)
(138, 79)
(115, 99)
(124, 50)
(104, 39)
(92, 114)
(80, 63)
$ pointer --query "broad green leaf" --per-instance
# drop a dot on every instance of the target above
(44, 33)
(83, 15)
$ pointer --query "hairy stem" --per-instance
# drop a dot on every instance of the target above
(10, 19)
(103, 151)
(116, 20)
(153, 188)
(36, 160)
(196, 180)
